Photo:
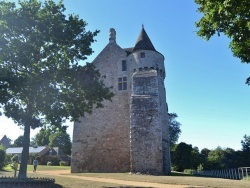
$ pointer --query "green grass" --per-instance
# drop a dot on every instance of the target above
(8, 168)
(40, 167)
(176, 179)
(46, 168)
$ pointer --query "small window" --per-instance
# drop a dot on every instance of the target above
(124, 65)
(143, 55)
(122, 83)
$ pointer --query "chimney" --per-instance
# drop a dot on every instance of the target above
(112, 35)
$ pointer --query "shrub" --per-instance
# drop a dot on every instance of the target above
(8, 159)
(49, 163)
(2, 157)
(62, 163)
(14, 158)
(189, 171)
(200, 167)
(54, 160)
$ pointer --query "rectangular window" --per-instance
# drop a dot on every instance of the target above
(143, 55)
(124, 65)
(122, 83)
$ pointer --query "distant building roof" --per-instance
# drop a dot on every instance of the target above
(4, 141)
(18, 150)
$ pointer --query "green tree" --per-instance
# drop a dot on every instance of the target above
(184, 156)
(61, 140)
(41, 80)
(2, 157)
(231, 158)
(18, 142)
(246, 143)
(174, 128)
(196, 157)
(204, 155)
(42, 137)
(230, 17)
(181, 156)
(246, 150)
(216, 159)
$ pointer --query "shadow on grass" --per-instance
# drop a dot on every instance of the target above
(57, 186)
(180, 174)
(5, 171)
(127, 187)
(136, 187)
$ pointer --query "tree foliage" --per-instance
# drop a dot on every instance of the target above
(181, 156)
(246, 150)
(174, 128)
(216, 158)
(53, 137)
(184, 156)
(2, 157)
(62, 140)
(230, 17)
(246, 143)
(18, 142)
(42, 137)
(41, 80)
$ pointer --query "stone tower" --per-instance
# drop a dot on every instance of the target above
(131, 132)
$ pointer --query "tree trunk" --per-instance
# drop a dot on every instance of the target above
(25, 152)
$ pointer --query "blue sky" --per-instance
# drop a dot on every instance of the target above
(205, 84)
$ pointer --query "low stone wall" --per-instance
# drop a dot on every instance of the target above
(11, 182)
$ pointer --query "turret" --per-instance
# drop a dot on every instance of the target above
(148, 112)
(144, 55)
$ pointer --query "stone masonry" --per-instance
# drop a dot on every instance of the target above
(130, 134)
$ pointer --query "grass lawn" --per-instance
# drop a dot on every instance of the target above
(175, 180)
(40, 167)
(46, 168)
(68, 182)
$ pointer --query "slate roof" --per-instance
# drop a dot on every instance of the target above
(4, 141)
(18, 150)
(128, 50)
(143, 42)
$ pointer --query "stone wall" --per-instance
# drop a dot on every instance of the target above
(101, 139)
(146, 124)
(131, 132)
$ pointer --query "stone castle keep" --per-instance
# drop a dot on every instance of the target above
(130, 134)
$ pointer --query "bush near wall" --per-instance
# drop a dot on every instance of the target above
(63, 163)
(189, 171)
(55, 160)
(2, 157)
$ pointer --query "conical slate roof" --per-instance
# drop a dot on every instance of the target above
(143, 42)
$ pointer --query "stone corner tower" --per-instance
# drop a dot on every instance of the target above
(131, 132)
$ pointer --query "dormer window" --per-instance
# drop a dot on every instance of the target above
(143, 55)
(124, 65)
